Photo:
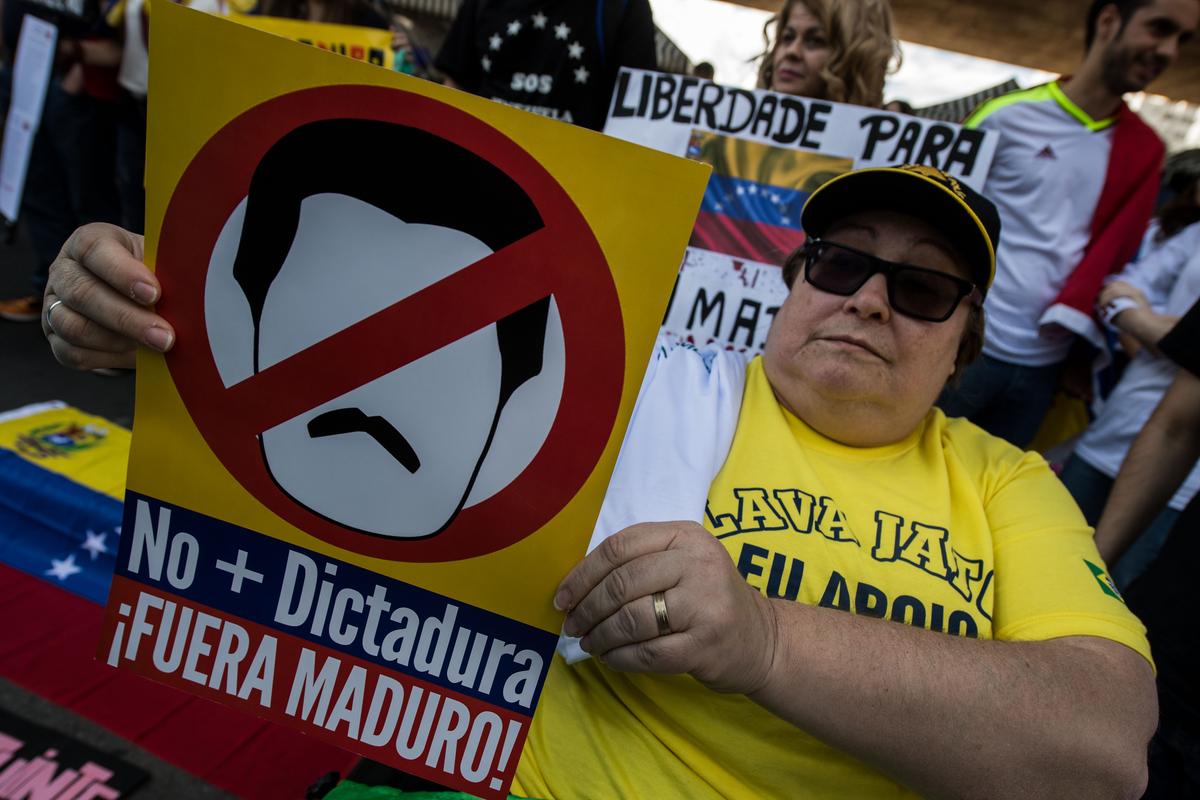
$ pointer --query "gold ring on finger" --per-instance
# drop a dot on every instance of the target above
(660, 613)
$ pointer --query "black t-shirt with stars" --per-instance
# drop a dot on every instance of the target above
(558, 58)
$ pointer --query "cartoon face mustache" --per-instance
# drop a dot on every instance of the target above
(353, 420)
(402, 471)
(319, 244)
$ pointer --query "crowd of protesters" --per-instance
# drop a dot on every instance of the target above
(1086, 253)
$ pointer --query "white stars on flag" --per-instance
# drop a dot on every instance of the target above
(514, 28)
(561, 31)
(575, 49)
(494, 41)
(486, 63)
(778, 205)
(94, 543)
(540, 20)
(581, 75)
(63, 568)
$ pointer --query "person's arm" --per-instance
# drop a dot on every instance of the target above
(929, 706)
(1144, 325)
(1141, 325)
(1158, 461)
(1128, 344)
(106, 293)
(1148, 282)
(948, 716)
(100, 52)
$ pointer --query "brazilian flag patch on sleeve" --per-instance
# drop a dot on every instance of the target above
(1104, 579)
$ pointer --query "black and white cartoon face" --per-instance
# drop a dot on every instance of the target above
(327, 237)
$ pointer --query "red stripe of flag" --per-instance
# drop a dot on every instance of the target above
(753, 241)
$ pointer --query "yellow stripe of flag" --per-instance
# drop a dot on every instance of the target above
(88, 449)
(763, 163)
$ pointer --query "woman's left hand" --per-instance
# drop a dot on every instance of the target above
(721, 630)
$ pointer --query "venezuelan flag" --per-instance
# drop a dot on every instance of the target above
(62, 481)
(751, 208)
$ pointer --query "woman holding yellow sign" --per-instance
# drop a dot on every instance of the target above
(985, 654)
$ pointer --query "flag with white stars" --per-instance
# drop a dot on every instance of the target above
(62, 480)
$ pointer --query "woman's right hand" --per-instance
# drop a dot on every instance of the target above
(97, 306)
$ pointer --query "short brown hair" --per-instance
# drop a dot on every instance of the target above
(1126, 8)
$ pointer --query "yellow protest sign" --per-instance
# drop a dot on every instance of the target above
(362, 44)
(412, 324)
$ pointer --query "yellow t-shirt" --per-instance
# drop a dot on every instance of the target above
(950, 529)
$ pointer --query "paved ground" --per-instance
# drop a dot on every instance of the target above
(29, 374)
(165, 781)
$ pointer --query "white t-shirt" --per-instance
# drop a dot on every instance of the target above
(1169, 276)
(1045, 179)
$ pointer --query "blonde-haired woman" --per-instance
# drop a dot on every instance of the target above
(829, 49)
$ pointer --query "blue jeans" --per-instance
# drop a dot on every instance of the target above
(1090, 487)
(1006, 400)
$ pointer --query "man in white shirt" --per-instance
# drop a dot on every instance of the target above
(1067, 221)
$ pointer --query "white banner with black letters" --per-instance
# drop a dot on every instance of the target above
(769, 152)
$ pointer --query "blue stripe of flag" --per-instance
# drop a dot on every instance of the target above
(47, 522)
(753, 201)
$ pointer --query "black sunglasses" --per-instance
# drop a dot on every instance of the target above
(917, 292)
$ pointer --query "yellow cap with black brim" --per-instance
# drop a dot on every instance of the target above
(968, 219)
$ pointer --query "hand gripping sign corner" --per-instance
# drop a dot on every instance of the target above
(395, 359)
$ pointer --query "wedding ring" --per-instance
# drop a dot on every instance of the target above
(660, 613)
(49, 312)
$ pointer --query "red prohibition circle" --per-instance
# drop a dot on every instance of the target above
(232, 418)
